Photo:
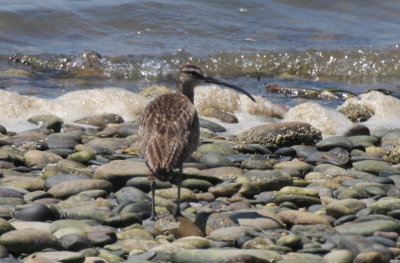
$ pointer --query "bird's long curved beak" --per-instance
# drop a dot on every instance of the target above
(221, 82)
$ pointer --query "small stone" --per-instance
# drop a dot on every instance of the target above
(344, 207)
(281, 134)
(300, 217)
(68, 188)
(47, 121)
(220, 115)
(101, 120)
(28, 241)
(81, 157)
(334, 141)
(369, 227)
(35, 212)
(38, 159)
(293, 241)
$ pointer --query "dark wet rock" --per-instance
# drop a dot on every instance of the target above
(339, 256)
(3, 130)
(28, 241)
(223, 255)
(301, 197)
(293, 241)
(60, 256)
(329, 157)
(111, 144)
(143, 184)
(369, 227)
(212, 160)
(7, 192)
(210, 125)
(352, 192)
(281, 134)
(6, 165)
(252, 148)
(26, 145)
(23, 181)
(5, 226)
(393, 155)
(11, 156)
(304, 151)
(196, 184)
(123, 220)
(75, 242)
(35, 212)
(62, 140)
(179, 227)
(269, 180)
(357, 129)
(81, 157)
(256, 162)
(334, 141)
(344, 207)
(66, 167)
(219, 148)
(389, 137)
(385, 205)
(286, 151)
(39, 159)
(364, 140)
(101, 120)
(60, 178)
(120, 171)
(374, 167)
(294, 217)
(119, 130)
(296, 165)
(68, 188)
(220, 115)
(172, 194)
(356, 112)
(47, 121)
(128, 195)
(358, 244)
(317, 232)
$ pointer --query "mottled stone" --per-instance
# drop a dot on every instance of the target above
(39, 159)
(281, 134)
(344, 207)
(369, 227)
(28, 241)
(120, 171)
(300, 217)
(68, 188)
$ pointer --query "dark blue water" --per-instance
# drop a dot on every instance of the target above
(318, 44)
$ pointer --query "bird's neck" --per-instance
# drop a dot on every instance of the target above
(186, 89)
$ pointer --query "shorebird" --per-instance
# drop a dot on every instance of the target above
(169, 129)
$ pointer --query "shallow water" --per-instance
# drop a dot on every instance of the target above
(54, 48)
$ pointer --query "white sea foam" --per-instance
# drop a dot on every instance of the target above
(386, 109)
(15, 109)
(328, 121)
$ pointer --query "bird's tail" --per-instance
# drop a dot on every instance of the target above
(161, 174)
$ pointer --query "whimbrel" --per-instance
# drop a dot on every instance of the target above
(169, 128)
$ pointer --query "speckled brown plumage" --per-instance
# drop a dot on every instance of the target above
(169, 133)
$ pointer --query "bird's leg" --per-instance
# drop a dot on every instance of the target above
(153, 216)
(178, 202)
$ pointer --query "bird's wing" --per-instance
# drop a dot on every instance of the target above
(166, 131)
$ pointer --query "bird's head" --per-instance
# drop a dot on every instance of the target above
(190, 76)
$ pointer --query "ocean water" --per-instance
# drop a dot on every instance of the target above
(78, 58)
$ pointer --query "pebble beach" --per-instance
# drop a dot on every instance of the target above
(277, 192)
